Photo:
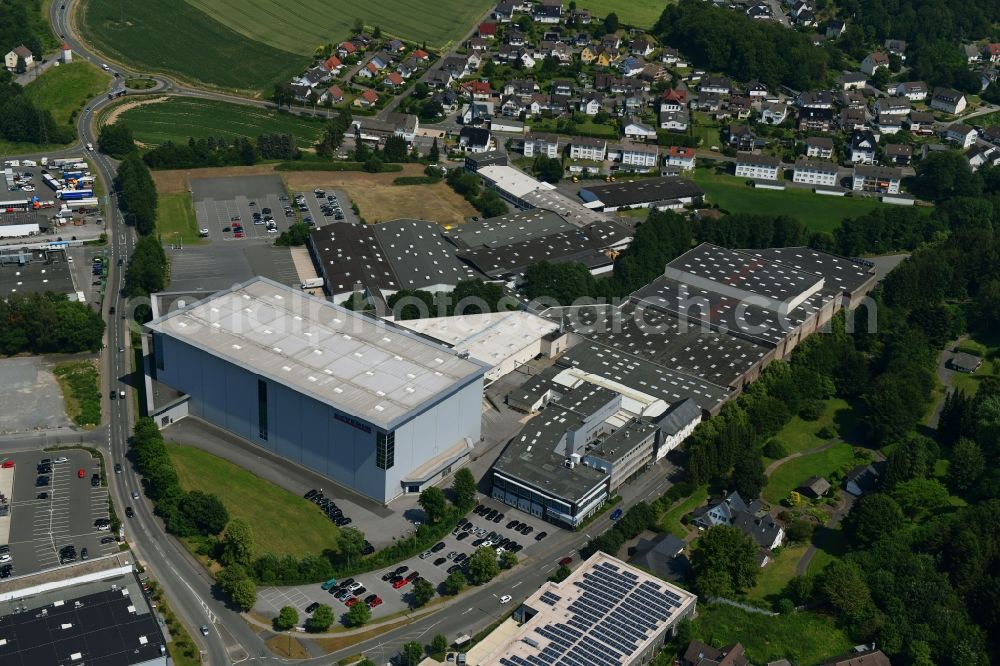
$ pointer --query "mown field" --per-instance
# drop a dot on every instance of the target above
(818, 212)
(175, 219)
(177, 38)
(639, 13)
(179, 118)
(65, 89)
(301, 26)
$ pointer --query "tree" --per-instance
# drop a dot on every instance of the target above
(358, 615)
(873, 517)
(287, 618)
(508, 560)
(454, 583)
(434, 156)
(439, 645)
(412, 654)
(394, 149)
(377, 32)
(243, 593)
(548, 169)
(116, 140)
(464, 487)
(800, 530)
(611, 23)
(726, 559)
(560, 574)
(296, 235)
(351, 543)
(748, 477)
(421, 593)
(434, 504)
(920, 497)
(967, 465)
(483, 566)
(205, 511)
(944, 174)
(237, 543)
(320, 620)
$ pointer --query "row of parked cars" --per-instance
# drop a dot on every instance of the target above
(348, 591)
(334, 513)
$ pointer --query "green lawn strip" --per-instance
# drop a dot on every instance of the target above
(179, 39)
(80, 384)
(777, 573)
(283, 523)
(671, 520)
(65, 89)
(800, 435)
(790, 475)
(803, 638)
(175, 219)
(12, 148)
(180, 118)
(818, 212)
(302, 26)
(586, 128)
(639, 13)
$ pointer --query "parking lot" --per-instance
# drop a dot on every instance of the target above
(314, 207)
(433, 567)
(226, 207)
(46, 518)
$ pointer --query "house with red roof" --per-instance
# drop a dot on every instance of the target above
(368, 71)
(334, 94)
(993, 52)
(332, 64)
(487, 30)
(680, 157)
(673, 100)
(478, 90)
(394, 79)
(420, 54)
(367, 98)
(346, 48)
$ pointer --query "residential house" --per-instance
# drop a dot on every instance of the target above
(474, 140)
(527, 60)
(741, 137)
(582, 17)
(862, 655)
(369, 71)
(514, 37)
(877, 179)
(853, 119)
(758, 167)
(394, 46)
(739, 107)
(979, 155)
(862, 480)
(896, 47)
(345, 49)
(487, 30)
(420, 55)
(367, 98)
(394, 80)
(562, 87)
(635, 156)
(835, 29)
(334, 94)
(708, 102)
(448, 99)
(773, 113)
(521, 87)
(763, 529)
(898, 154)
(853, 81)
(993, 52)
(965, 362)
(541, 144)
(915, 91)
(992, 134)
(814, 487)
(589, 104)
(641, 46)
(681, 157)
(589, 54)
(948, 100)
(819, 146)
(477, 90)
(588, 148)
(640, 132)
(404, 125)
(812, 119)
(674, 100)
(549, 11)
(503, 12)
(861, 146)
(756, 90)
(972, 53)
(720, 85)
(853, 99)
(674, 121)
(892, 106)
(333, 65)
(816, 99)
(890, 124)
(457, 66)
(921, 122)
(408, 68)
(631, 66)
(672, 57)
(511, 105)
(874, 61)
(21, 52)
(702, 654)
(961, 134)
(751, 518)
(815, 172)
(478, 44)
(439, 78)
(477, 113)
(760, 11)
(301, 91)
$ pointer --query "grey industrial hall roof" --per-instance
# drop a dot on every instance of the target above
(514, 227)
(644, 190)
(361, 366)
(838, 272)
(106, 628)
(36, 276)
(654, 335)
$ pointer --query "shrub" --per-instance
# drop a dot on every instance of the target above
(812, 410)
(775, 448)
(828, 431)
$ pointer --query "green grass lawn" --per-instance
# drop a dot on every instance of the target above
(175, 219)
(12, 148)
(833, 548)
(639, 13)
(990, 368)
(283, 523)
(800, 435)
(79, 383)
(586, 128)
(65, 89)
(177, 38)
(179, 118)
(773, 578)
(788, 476)
(816, 211)
(803, 638)
(302, 26)
(671, 520)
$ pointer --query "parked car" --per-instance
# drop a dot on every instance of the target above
(505, 599)
(328, 584)
(118, 468)
(95, 480)
(129, 513)
(541, 535)
(400, 583)
(439, 561)
(377, 601)
(564, 561)
(311, 607)
(81, 473)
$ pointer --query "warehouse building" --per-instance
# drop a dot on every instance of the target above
(606, 613)
(367, 404)
(26, 271)
(659, 193)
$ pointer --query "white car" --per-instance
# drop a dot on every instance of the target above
(355, 586)
(60, 459)
(5, 557)
(424, 555)
(203, 233)
(135, 494)
(505, 599)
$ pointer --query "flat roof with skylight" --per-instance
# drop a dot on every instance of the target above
(359, 365)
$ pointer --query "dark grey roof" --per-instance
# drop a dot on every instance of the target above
(838, 272)
(679, 416)
(36, 275)
(98, 626)
(642, 191)
(514, 227)
(662, 556)
(475, 136)
(876, 171)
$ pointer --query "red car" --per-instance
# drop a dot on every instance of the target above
(566, 560)
(238, 234)
(81, 473)
(7, 464)
(400, 583)
(377, 601)
(350, 602)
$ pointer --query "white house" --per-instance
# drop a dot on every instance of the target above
(815, 172)
(819, 146)
(773, 113)
(874, 61)
(961, 134)
(681, 157)
(22, 51)
(877, 179)
(862, 146)
(758, 167)
(892, 106)
(639, 155)
(587, 148)
(589, 105)
(474, 140)
(640, 132)
(915, 91)
(674, 121)
(977, 156)
(541, 144)
(948, 100)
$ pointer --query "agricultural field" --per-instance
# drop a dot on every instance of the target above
(268, 508)
(178, 118)
(816, 211)
(145, 35)
(302, 26)
(65, 89)
(639, 13)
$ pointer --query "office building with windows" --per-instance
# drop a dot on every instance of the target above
(367, 404)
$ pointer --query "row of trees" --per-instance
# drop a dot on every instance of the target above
(147, 269)
(136, 194)
(48, 323)
(485, 200)
(333, 134)
(214, 152)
